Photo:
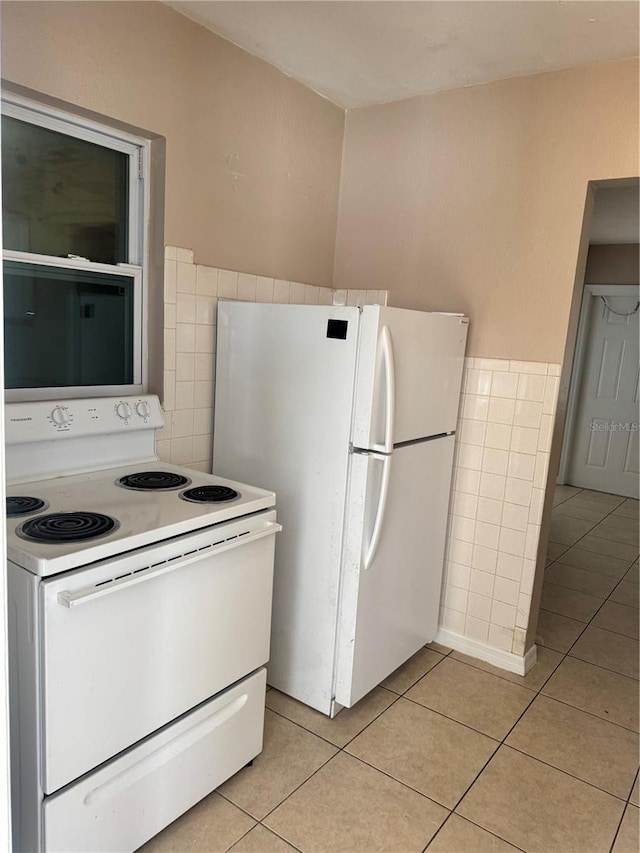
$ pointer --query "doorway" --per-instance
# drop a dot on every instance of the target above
(587, 575)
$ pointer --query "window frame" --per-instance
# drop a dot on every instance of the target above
(138, 261)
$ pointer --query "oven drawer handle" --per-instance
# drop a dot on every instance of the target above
(110, 789)
(84, 596)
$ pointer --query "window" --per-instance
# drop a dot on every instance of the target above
(73, 204)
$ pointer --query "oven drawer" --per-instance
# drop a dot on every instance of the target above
(133, 797)
(129, 645)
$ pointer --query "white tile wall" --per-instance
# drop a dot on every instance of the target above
(500, 468)
(191, 293)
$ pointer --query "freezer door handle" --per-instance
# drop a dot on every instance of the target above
(388, 365)
(370, 551)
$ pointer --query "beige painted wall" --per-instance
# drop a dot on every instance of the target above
(613, 264)
(473, 200)
(253, 157)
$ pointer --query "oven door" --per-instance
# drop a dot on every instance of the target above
(129, 644)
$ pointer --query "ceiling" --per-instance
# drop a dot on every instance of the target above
(363, 52)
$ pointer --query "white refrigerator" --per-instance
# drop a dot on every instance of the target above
(348, 414)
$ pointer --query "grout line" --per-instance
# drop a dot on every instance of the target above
(453, 719)
(538, 693)
(325, 739)
(277, 834)
(566, 772)
(633, 784)
(590, 713)
(473, 823)
(284, 799)
(500, 743)
(613, 843)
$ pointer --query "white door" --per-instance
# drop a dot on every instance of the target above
(412, 362)
(604, 439)
(390, 594)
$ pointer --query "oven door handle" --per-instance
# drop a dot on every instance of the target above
(88, 594)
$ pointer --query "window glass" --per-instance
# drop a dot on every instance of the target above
(62, 195)
(66, 327)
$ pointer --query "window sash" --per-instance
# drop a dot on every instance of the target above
(16, 107)
(70, 391)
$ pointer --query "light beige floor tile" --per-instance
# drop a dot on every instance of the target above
(618, 618)
(566, 530)
(539, 808)
(212, 825)
(605, 499)
(434, 755)
(342, 728)
(290, 755)
(632, 575)
(629, 509)
(459, 835)
(555, 551)
(599, 545)
(557, 632)
(563, 492)
(614, 533)
(571, 509)
(607, 565)
(626, 593)
(546, 661)
(609, 650)
(593, 583)
(348, 806)
(261, 840)
(406, 676)
(438, 647)
(595, 690)
(489, 704)
(631, 506)
(569, 602)
(591, 749)
(627, 838)
(635, 798)
(615, 519)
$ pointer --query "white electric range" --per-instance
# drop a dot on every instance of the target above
(140, 606)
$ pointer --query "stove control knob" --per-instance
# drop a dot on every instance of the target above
(60, 416)
(143, 409)
(123, 410)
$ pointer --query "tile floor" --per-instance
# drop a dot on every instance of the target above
(455, 756)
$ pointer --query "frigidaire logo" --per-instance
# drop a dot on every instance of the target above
(18, 420)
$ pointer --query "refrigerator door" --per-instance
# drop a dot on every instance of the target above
(390, 609)
(284, 400)
(409, 373)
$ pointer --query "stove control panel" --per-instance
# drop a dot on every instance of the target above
(42, 421)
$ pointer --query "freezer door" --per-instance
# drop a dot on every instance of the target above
(284, 400)
(409, 363)
(389, 609)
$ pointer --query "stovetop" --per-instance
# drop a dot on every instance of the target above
(142, 516)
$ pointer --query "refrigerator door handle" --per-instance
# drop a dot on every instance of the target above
(386, 350)
(370, 551)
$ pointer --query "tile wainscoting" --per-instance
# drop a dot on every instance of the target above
(191, 293)
(501, 462)
(500, 466)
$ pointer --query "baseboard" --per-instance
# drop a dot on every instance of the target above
(520, 664)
